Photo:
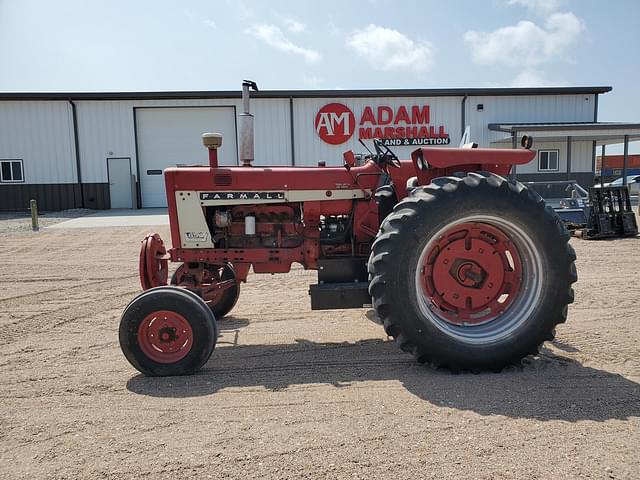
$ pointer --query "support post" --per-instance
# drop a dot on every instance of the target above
(569, 139)
(602, 155)
(34, 215)
(625, 162)
(514, 145)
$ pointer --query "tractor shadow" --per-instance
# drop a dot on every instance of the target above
(232, 323)
(229, 330)
(547, 387)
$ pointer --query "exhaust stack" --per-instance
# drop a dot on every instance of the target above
(246, 125)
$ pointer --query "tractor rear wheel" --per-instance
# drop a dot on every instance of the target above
(167, 331)
(221, 302)
(472, 272)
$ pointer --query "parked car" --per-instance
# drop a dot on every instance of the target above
(633, 182)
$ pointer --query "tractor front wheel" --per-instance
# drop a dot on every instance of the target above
(472, 272)
(167, 331)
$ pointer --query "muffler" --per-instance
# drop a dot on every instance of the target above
(246, 125)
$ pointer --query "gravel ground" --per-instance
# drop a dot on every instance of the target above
(291, 393)
(16, 222)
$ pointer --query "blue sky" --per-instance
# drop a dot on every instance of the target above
(116, 45)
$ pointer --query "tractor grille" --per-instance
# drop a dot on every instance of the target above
(223, 179)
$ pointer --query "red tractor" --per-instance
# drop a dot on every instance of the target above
(464, 268)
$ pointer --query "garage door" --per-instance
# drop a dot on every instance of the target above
(171, 136)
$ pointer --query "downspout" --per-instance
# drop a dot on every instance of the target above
(292, 133)
(74, 116)
(463, 119)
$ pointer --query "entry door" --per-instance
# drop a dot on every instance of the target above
(119, 173)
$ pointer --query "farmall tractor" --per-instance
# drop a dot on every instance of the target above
(464, 268)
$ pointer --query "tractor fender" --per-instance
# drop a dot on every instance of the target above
(435, 157)
(432, 162)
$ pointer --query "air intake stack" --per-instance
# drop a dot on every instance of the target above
(246, 125)
(212, 141)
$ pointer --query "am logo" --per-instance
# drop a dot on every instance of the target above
(335, 123)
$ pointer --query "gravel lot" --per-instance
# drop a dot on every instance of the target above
(291, 393)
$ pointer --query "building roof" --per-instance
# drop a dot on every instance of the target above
(604, 133)
(431, 92)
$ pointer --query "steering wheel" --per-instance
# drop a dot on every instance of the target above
(385, 155)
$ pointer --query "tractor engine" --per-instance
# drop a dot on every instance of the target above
(257, 226)
(272, 226)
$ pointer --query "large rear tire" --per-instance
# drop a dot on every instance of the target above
(472, 272)
(167, 331)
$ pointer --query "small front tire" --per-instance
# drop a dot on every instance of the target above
(167, 331)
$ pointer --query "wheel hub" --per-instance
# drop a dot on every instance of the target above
(165, 336)
(471, 273)
(468, 273)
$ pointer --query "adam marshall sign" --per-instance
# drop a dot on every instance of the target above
(335, 123)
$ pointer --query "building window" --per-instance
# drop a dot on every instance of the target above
(547, 160)
(11, 171)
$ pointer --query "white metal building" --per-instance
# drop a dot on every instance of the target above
(107, 150)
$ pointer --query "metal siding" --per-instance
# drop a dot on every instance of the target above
(580, 157)
(50, 197)
(96, 195)
(517, 109)
(41, 134)
(309, 148)
(105, 128)
(272, 128)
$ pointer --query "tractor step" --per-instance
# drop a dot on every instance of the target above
(328, 296)
(342, 283)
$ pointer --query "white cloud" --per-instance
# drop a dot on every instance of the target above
(525, 43)
(542, 7)
(210, 23)
(293, 25)
(530, 78)
(387, 49)
(273, 36)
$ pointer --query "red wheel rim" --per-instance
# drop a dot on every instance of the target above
(165, 336)
(471, 273)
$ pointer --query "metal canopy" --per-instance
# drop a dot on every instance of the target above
(603, 133)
